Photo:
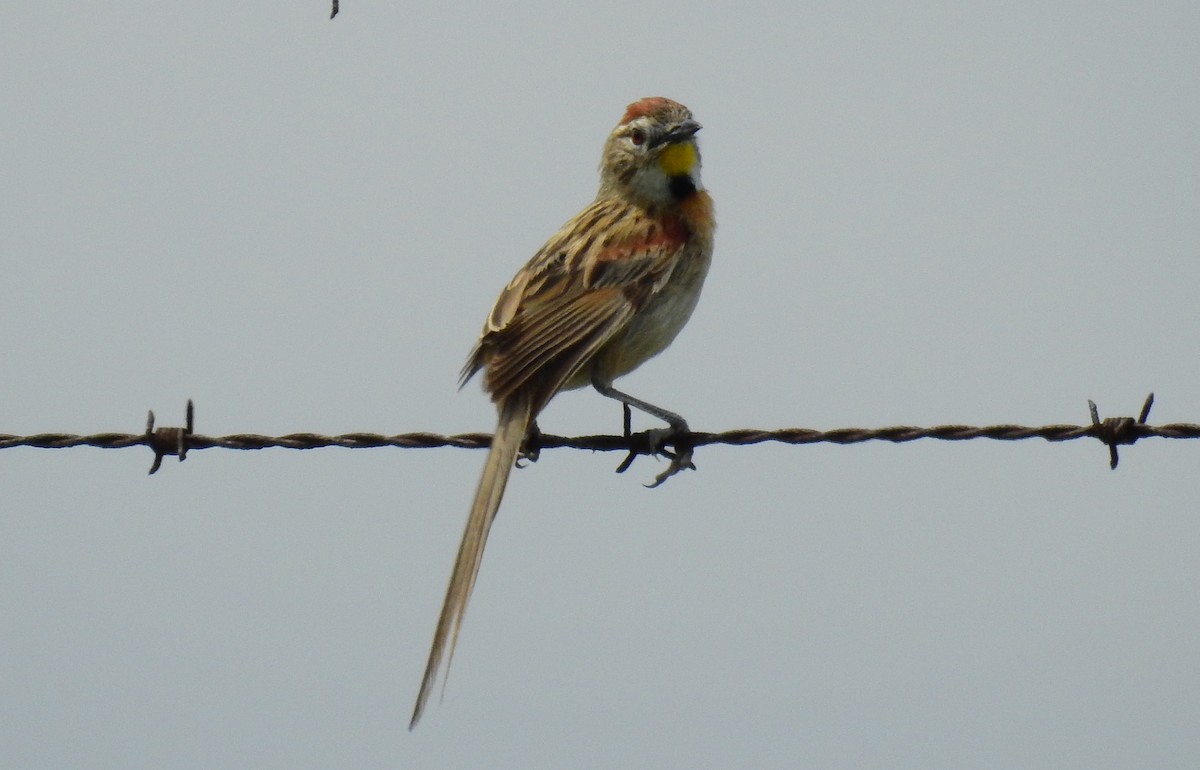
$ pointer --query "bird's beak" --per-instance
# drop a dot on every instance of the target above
(679, 133)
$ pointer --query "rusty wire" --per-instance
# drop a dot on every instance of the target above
(1112, 432)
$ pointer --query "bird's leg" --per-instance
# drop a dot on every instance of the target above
(677, 435)
(627, 424)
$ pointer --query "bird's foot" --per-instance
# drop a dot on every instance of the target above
(680, 454)
(678, 436)
(531, 447)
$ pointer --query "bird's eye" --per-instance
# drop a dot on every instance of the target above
(637, 136)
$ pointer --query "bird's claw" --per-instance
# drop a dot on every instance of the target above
(531, 447)
(681, 457)
(680, 454)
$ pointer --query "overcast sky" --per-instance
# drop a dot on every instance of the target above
(935, 213)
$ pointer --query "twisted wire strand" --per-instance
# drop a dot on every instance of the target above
(897, 434)
(1112, 431)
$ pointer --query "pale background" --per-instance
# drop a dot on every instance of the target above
(930, 213)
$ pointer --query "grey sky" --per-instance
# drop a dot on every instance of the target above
(931, 213)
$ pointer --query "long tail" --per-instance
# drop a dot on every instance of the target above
(515, 415)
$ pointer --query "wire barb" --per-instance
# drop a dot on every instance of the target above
(169, 441)
(1118, 430)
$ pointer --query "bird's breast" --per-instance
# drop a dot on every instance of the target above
(667, 310)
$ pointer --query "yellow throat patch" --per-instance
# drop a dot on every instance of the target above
(679, 159)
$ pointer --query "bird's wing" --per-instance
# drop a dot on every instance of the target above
(577, 292)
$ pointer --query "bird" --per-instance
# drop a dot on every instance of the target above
(610, 290)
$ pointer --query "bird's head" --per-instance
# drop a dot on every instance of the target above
(652, 155)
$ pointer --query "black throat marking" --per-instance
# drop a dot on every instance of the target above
(681, 186)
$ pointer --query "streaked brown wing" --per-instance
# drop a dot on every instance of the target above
(577, 292)
(552, 345)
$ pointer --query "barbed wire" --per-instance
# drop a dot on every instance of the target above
(178, 441)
